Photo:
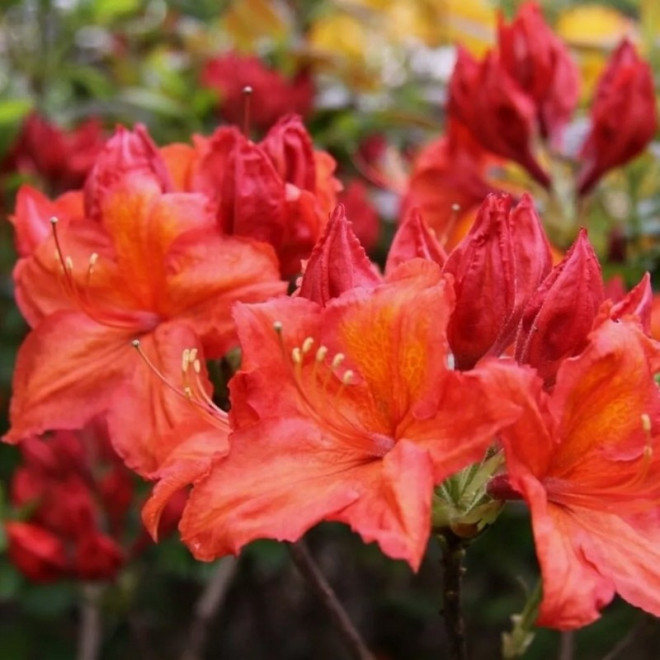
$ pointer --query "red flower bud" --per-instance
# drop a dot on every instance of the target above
(497, 112)
(290, 148)
(414, 239)
(126, 154)
(623, 116)
(542, 66)
(97, 557)
(338, 263)
(560, 315)
(496, 268)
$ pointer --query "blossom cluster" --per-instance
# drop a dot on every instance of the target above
(361, 389)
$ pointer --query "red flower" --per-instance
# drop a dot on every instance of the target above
(279, 191)
(61, 158)
(586, 460)
(153, 266)
(542, 66)
(77, 494)
(623, 116)
(346, 413)
(272, 94)
(36, 552)
(497, 268)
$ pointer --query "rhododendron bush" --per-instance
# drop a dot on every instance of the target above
(325, 352)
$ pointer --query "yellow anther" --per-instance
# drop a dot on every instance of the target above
(337, 360)
(347, 377)
(455, 208)
(185, 359)
(646, 423)
(54, 220)
(135, 343)
(296, 355)
(321, 353)
(187, 392)
(277, 326)
(197, 366)
(193, 355)
(307, 344)
(68, 263)
(93, 258)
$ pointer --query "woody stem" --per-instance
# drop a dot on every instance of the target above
(308, 568)
(453, 553)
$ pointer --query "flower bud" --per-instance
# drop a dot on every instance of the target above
(497, 112)
(561, 313)
(496, 268)
(338, 263)
(126, 154)
(414, 239)
(623, 116)
(542, 66)
(291, 151)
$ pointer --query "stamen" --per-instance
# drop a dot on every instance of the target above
(347, 377)
(296, 355)
(307, 344)
(247, 95)
(337, 360)
(193, 392)
(321, 353)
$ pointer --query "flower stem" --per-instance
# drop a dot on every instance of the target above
(308, 568)
(515, 643)
(207, 607)
(453, 553)
(90, 636)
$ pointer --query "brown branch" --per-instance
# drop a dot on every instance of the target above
(453, 553)
(305, 563)
(90, 631)
(206, 607)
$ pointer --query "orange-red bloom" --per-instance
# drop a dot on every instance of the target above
(348, 413)
(586, 458)
(149, 265)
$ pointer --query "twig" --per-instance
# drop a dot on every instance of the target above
(90, 632)
(628, 639)
(566, 645)
(310, 571)
(453, 553)
(206, 607)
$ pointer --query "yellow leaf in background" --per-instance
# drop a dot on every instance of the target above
(594, 26)
(470, 23)
(250, 21)
(340, 33)
(593, 32)
(650, 22)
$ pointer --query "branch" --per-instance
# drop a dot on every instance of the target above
(453, 553)
(90, 631)
(310, 571)
(206, 607)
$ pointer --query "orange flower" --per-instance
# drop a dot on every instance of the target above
(149, 265)
(347, 412)
(586, 460)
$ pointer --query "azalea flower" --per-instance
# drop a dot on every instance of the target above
(347, 412)
(586, 460)
(148, 264)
